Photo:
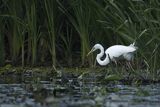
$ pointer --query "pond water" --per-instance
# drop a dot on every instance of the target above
(74, 91)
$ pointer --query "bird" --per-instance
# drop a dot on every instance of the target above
(114, 53)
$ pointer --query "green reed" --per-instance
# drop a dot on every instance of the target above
(2, 51)
(136, 21)
(80, 19)
(52, 18)
(32, 28)
(15, 11)
(36, 30)
(82, 14)
(67, 43)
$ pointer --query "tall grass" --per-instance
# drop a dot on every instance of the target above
(17, 39)
(81, 14)
(33, 27)
(67, 43)
(80, 17)
(52, 16)
(2, 51)
(148, 18)
(21, 30)
(136, 20)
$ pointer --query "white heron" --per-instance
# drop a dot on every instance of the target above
(114, 53)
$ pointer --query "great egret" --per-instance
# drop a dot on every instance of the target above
(114, 53)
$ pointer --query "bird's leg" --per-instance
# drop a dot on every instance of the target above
(94, 63)
(109, 57)
(130, 66)
(116, 63)
(110, 61)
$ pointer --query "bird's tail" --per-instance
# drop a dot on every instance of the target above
(133, 45)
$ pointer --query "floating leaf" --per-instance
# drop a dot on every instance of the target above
(113, 77)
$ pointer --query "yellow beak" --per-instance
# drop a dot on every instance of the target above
(90, 52)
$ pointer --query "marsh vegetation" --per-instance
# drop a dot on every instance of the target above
(42, 39)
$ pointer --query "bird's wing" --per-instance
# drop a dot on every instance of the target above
(119, 50)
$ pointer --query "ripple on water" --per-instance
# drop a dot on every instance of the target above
(18, 95)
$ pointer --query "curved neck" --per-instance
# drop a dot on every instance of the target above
(100, 55)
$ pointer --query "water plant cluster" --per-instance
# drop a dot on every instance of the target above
(61, 32)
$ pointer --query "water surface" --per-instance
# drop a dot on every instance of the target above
(70, 90)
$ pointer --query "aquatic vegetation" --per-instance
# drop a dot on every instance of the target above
(60, 33)
(142, 92)
(50, 40)
(112, 77)
(36, 87)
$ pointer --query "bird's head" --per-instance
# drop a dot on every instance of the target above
(95, 47)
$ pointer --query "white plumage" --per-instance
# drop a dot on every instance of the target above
(114, 53)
